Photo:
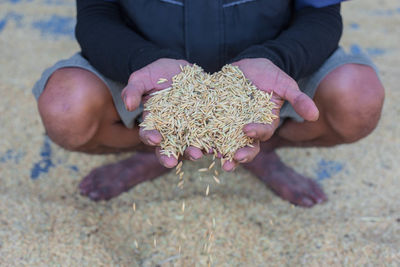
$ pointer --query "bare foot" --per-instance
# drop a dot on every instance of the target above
(284, 181)
(109, 181)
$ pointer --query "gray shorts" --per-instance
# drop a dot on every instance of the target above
(308, 85)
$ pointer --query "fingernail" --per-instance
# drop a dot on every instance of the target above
(240, 159)
(251, 134)
(192, 158)
(126, 107)
(308, 202)
(243, 160)
(94, 195)
(152, 141)
(321, 200)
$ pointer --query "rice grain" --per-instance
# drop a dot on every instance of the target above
(207, 111)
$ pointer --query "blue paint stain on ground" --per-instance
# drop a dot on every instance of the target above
(14, 1)
(375, 51)
(354, 26)
(59, 2)
(11, 155)
(74, 168)
(45, 162)
(11, 16)
(355, 49)
(327, 168)
(56, 25)
(383, 12)
(2, 23)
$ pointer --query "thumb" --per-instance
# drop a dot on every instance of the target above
(132, 95)
(302, 103)
(139, 84)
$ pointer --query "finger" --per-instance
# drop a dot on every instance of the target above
(193, 153)
(168, 162)
(139, 85)
(247, 153)
(132, 94)
(229, 166)
(302, 104)
(260, 131)
(150, 137)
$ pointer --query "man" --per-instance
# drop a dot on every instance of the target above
(91, 102)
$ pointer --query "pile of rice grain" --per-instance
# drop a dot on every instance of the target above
(207, 111)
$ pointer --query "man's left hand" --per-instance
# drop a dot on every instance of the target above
(269, 78)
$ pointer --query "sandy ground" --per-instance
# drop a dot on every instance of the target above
(45, 222)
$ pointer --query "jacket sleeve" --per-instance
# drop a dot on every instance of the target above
(312, 36)
(112, 47)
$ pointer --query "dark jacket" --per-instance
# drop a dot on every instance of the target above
(119, 37)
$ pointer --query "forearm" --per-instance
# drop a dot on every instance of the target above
(300, 50)
(110, 45)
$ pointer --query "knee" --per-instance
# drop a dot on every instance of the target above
(71, 107)
(355, 100)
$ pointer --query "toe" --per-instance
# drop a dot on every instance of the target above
(317, 193)
(94, 195)
(306, 202)
(86, 184)
(104, 192)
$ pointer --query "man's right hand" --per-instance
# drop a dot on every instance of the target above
(144, 81)
(140, 85)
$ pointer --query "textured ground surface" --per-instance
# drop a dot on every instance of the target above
(44, 221)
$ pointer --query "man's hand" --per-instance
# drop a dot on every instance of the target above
(140, 85)
(269, 78)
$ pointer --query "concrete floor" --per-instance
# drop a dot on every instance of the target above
(45, 222)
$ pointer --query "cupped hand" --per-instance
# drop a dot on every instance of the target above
(269, 78)
(141, 84)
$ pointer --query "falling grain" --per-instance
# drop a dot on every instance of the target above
(208, 190)
(134, 206)
(202, 170)
(209, 248)
(179, 166)
(216, 179)
(211, 165)
(183, 206)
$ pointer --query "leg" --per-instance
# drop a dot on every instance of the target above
(78, 114)
(350, 101)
